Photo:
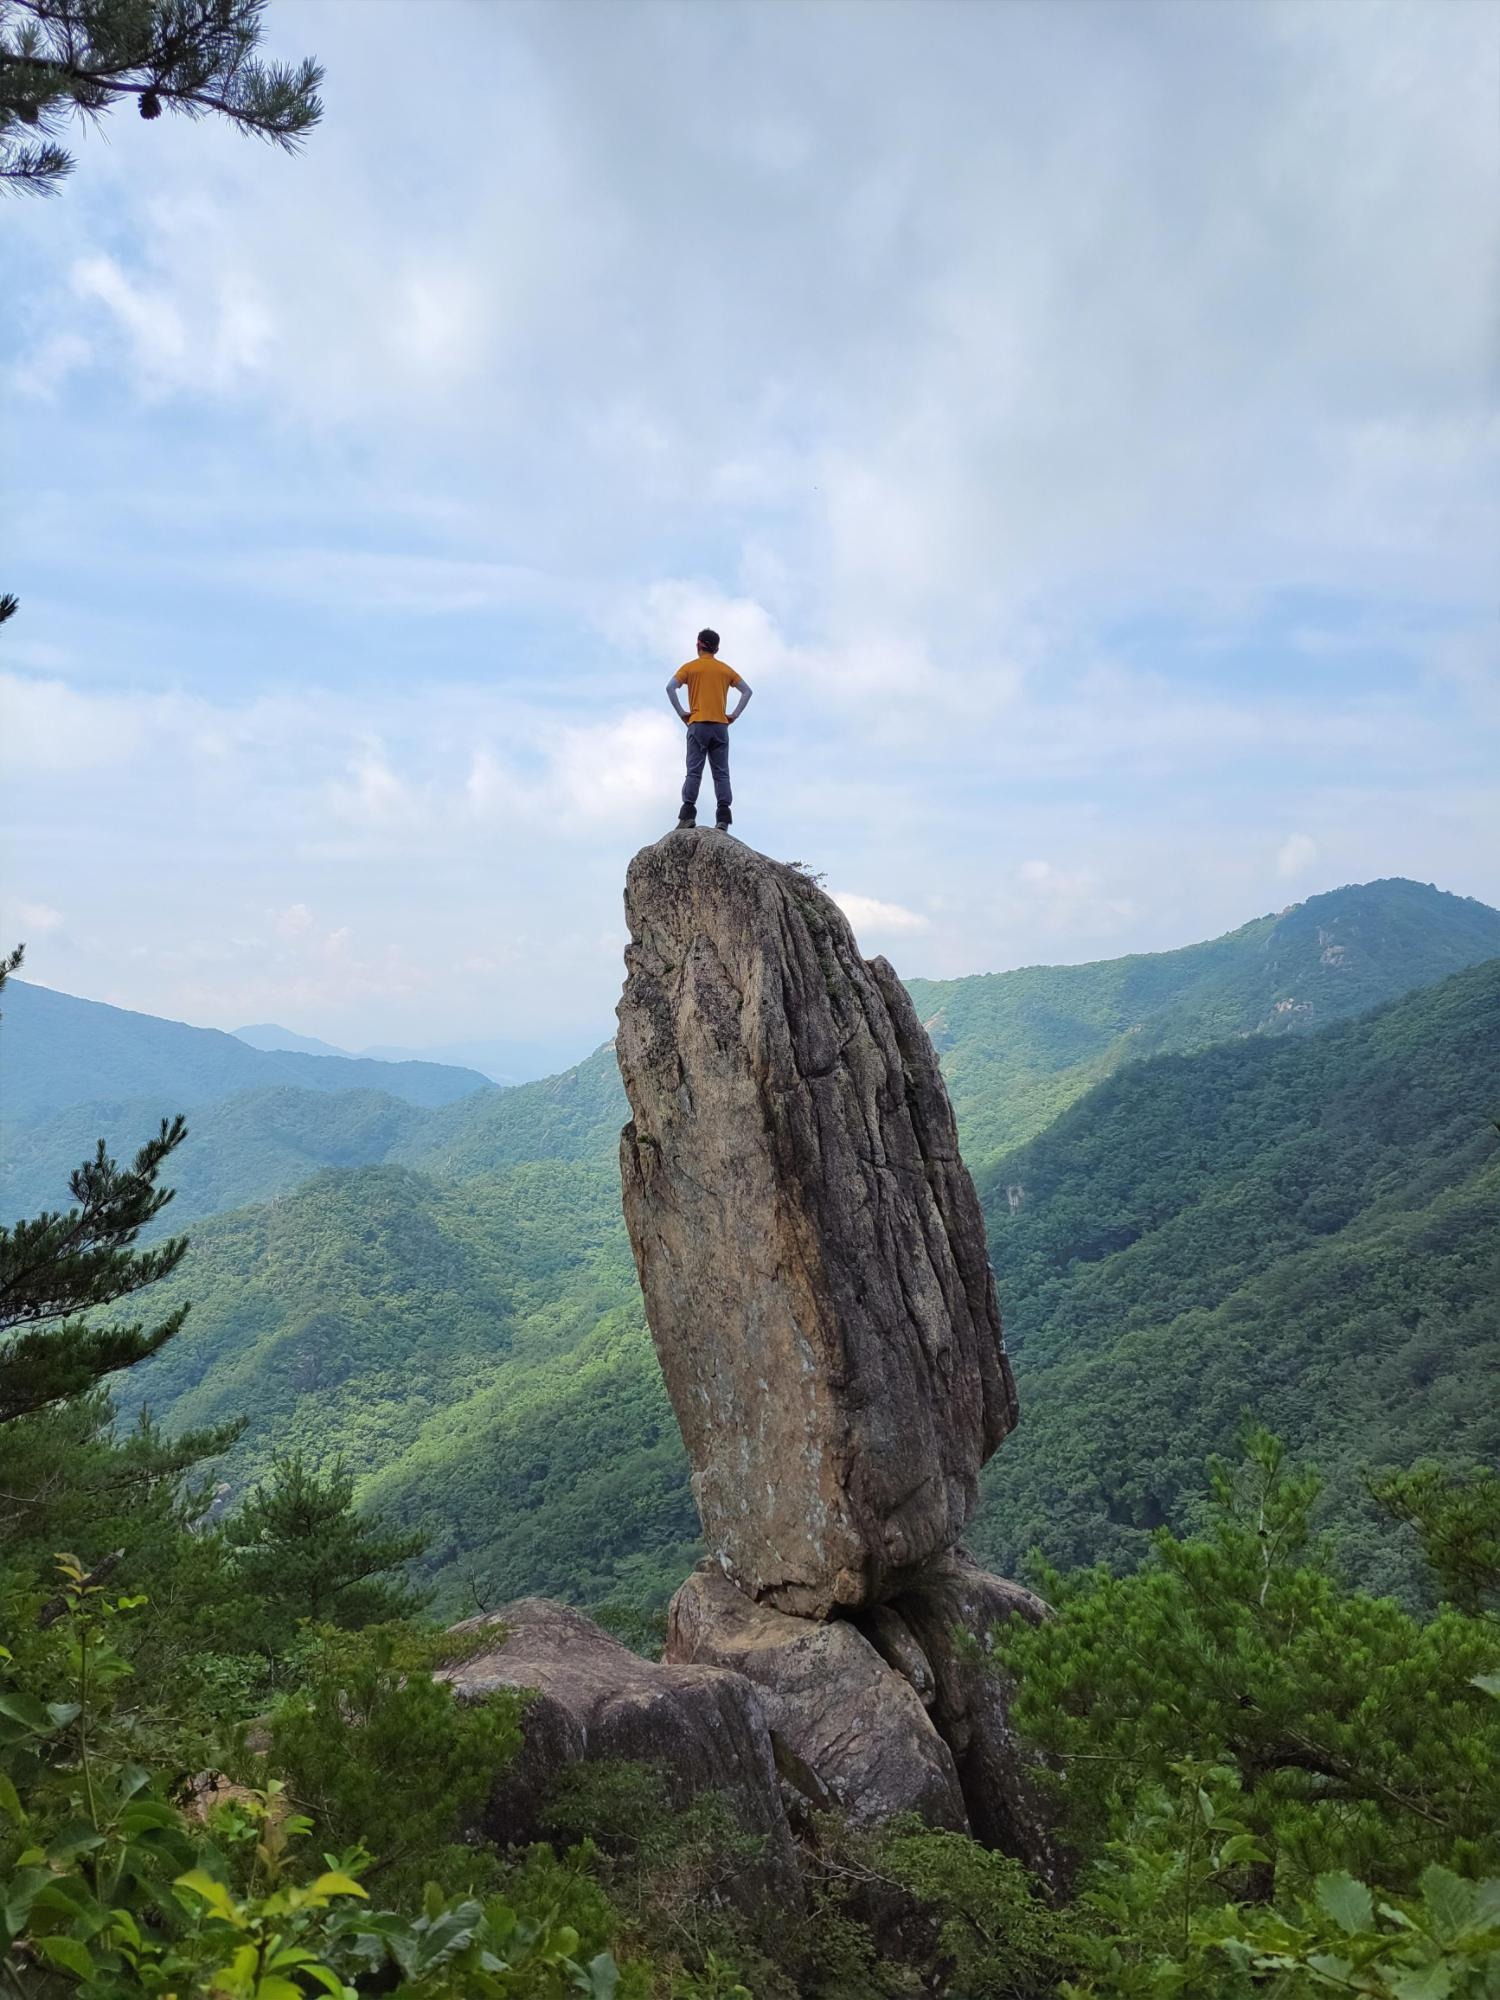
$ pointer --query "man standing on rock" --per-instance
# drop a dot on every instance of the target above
(708, 680)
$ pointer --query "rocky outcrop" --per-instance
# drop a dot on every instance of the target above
(809, 1242)
(818, 1289)
(846, 1730)
(702, 1727)
(950, 1614)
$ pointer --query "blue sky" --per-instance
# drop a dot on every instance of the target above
(1078, 419)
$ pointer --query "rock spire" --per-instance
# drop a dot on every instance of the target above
(809, 1242)
(814, 1268)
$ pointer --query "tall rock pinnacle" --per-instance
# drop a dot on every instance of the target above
(809, 1242)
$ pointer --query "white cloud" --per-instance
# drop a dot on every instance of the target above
(372, 793)
(150, 320)
(871, 917)
(47, 367)
(617, 771)
(50, 725)
(1296, 855)
(37, 917)
(1091, 464)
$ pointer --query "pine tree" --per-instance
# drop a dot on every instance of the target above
(60, 1265)
(63, 1264)
(67, 59)
(298, 1543)
(1457, 1520)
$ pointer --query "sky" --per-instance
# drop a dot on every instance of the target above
(1079, 421)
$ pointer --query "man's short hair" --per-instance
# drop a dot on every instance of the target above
(709, 639)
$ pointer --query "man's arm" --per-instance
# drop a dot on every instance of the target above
(744, 690)
(672, 686)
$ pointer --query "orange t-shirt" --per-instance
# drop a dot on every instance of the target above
(708, 681)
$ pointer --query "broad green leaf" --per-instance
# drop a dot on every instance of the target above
(1427, 1982)
(10, 1798)
(329, 1981)
(66, 1952)
(1348, 1902)
(1487, 1684)
(1339, 1970)
(1243, 1847)
(290, 1955)
(1449, 1902)
(217, 1897)
(76, 1836)
(126, 1926)
(67, 1897)
(241, 1967)
(335, 1883)
(146, 1816)
(25, 1708)
(601, 1978)
(273, 1987)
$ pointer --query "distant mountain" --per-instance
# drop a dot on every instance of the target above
(1305, 1232)
(1293, 1217)
(259, 1143)
(575, 1116)
(1019, 1047)
(1297, 1229)
(245, 1148)
(503, 1059)
(56, 1051)
(268, 1035)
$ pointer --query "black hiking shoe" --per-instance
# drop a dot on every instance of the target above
(722, 825)
(687, 817)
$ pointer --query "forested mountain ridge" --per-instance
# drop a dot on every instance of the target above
(1019, 1047)
(1297, 1228)
(258, 1143)
(346, 1313)
(244, 1148)
(575, 1116)
(60, 1051)
(1305, 1232)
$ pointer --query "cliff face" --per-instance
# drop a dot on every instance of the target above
(808, 1240)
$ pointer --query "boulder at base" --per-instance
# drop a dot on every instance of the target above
(809, 1242)
(953, 1604)
(847, 1730)
(702, 1727)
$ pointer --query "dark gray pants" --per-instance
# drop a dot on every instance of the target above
(710, 740)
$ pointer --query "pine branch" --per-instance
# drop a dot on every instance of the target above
(40, 1367)
(79, 58)
(32, 169)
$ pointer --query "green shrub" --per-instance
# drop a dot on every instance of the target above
(383, 1755)
(111, 1889)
